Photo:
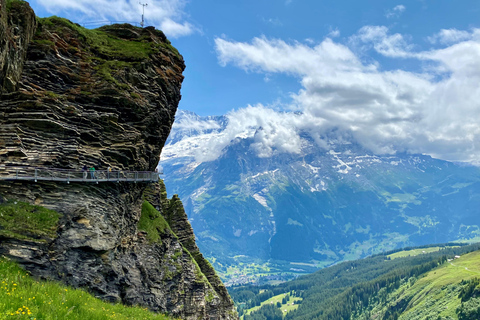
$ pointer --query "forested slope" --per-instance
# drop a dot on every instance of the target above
(378, 287)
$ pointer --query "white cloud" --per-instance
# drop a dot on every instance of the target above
(396, 11)
(279, 56)
(271, 132)
(166, 15)
(388, 45)
(334, 33)
(195, 124)
(175, 29)
(450, 36)
(386, 111)
(273, 21)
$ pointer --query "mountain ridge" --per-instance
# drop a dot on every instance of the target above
(316, 207)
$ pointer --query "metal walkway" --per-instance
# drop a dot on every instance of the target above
(65, 175)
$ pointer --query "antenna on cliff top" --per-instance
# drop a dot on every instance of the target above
(143, 13)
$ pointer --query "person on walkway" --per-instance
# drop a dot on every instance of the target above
(92, 172)
(85, 172)
(109, 170)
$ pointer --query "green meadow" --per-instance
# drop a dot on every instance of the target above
(22, 297)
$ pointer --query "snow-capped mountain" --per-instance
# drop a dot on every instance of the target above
(294, 204)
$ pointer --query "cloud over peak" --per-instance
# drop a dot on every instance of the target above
(433, 112)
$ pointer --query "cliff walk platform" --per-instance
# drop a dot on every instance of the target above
(66, 175)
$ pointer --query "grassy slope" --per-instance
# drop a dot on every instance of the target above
(49, 300)
(414, 252)
(285, 308)
(27, 222)
(21, 297)
(435, 295)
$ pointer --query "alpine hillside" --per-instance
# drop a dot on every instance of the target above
(274, 214)
(433, 282)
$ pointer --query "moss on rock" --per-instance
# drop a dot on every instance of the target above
(152, 222)
(21, 220)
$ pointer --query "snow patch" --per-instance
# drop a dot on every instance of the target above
(263, 173)
(312, 168)
(342, 167)
(197, 193)
(187, 147)
(192, 166)
(261, 200)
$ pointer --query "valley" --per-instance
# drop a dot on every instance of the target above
(435, 282)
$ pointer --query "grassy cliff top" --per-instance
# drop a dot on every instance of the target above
(122, 42)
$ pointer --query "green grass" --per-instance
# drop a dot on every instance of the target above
(152, 222)
(106, 51)
(24, 221)
(106, 45)
(168, 46)
(435, 295)
(46, 43)
(401, 197)
(21, 297)
(439, 288)
(9, 3)
(285, 308)
(107, 68)
(414, 252)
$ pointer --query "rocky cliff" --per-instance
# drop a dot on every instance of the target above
(106, 98)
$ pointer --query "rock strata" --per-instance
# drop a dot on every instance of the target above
(174, 213)
(17, 27)
(106, 98)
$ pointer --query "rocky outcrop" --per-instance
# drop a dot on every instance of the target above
(17, 27)
(174, 214)
(106, 98)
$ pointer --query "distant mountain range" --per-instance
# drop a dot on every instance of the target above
(292, 212)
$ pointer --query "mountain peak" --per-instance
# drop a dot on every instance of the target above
(332, 199)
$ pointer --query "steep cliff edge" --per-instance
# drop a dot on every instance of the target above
(17, 27)
(106, 98)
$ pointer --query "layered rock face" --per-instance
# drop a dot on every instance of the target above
(17, 28)
(106, 98)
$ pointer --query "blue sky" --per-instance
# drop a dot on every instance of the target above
(400, 75)
(212, 89)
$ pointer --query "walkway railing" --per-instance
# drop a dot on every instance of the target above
(65, 175)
